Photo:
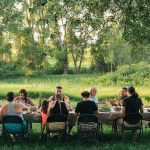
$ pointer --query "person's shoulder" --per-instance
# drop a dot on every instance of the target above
(80, 103)
(4, 106)
(51, 98)
(92, 102)
(140, 99)
(126, 99)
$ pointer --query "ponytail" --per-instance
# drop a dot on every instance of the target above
(132, 91)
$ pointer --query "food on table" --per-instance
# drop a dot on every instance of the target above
(105, 107)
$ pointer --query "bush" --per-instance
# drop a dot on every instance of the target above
(8, 70)
(135, 74)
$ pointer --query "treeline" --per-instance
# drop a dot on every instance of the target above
(43, 36)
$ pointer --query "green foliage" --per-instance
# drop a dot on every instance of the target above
(135, 74)
(115, 32)
(8, 70)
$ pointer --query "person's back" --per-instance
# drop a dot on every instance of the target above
(132, 104)
(86, 106)
(12, 108)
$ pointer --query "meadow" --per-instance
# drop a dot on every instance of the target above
(73, 85)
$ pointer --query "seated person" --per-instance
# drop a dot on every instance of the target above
(86, 106)
(57, 107)
(23, 99)
(15, 109)
(59, 96)
(43, 111)
(93, 96)
(123, 94)
(131, 104)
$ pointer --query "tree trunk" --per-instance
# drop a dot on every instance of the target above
(65, 63)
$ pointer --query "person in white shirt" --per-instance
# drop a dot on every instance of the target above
(93, 96)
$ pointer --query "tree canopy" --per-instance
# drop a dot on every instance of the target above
(62, 34)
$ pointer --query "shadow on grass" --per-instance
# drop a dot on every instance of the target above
(109, 142)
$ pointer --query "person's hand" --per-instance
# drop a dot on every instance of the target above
(52, 104)
(28, 105)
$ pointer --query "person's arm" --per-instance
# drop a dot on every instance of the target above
(95, 108)
(123, 108)
(50, 106)
(24, 107)
(96, 112)
(141, 108)
(30, 102)
(48, 110)
(77, 110)
(66, 112)
(16, 99)
(51, 99)
(123, 111)
(1, 113)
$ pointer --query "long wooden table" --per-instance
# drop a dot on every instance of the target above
(103, 117)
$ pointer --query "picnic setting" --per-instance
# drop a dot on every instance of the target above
(74, 74)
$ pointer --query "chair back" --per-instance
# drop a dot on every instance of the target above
(133, 118)
(13, 119)
(56, 122)
(87, 118)
(57, 118)
(13, 124)
(87, 123)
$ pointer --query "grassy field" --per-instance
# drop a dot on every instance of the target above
(73, 86)
(110, 141)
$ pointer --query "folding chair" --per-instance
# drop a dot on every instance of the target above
(13, 125)
(56, 124)
(87, 127)
(132, 122)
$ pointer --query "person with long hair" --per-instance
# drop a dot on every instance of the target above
(23, 98)
(93, 96)
(43, 111)
(131, 104)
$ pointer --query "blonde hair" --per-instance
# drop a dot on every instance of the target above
(92, 89)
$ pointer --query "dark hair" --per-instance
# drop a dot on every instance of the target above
(25, 94)
(10, 96)
(85, 94)
(124, 88)
(132, 91)
(44, 106)
(58, 87)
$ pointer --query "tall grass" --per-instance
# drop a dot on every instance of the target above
(73, 86)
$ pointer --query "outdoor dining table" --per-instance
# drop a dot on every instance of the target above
(103, 117)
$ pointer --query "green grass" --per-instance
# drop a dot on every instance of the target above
(110, 141)
(73, 86)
